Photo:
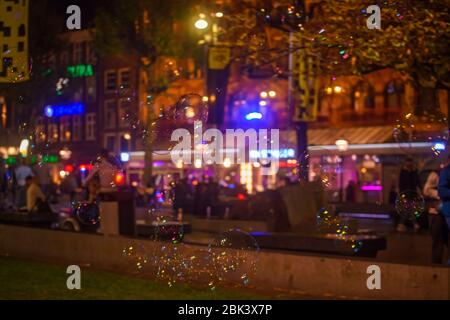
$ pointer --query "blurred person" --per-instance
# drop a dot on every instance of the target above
(21, 173)
(105, 170)
(181, 193)
(69, 185)
(35, 196)
(44, 179)
(408, 181)
(211, 196)
(392, 194)
(93, 187)
(437, 224)
(444, 194)
(350, 192)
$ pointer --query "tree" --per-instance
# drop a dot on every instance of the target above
(146, 28)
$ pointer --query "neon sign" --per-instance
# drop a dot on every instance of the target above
(80, 70)
(64, 110)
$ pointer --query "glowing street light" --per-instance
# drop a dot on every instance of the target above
(201, 23)
(263, 94)
(338, 89)
(342, 145)
(23, 148)
(272, 94)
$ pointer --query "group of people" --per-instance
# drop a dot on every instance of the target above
(25, 188)
(436, 192)
(201, 198)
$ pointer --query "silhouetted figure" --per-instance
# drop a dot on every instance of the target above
(350, 192)
(408, 181)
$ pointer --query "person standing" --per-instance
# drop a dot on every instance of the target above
(22, 172)
(105, 170)
(437, 224)
(43, 177)
(408, 181)
(444, 194)
(34, 194)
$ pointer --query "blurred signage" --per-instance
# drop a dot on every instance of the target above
(14, 41)
(306, 84)
(64, 110)
(218, 58)
(80, 70)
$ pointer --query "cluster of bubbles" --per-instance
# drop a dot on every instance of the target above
(87, 213)
(161, 123)
(335, 227)
(230, 258)
(430, 127)
(409, 205)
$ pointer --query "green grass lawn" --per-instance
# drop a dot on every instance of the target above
(32, 280)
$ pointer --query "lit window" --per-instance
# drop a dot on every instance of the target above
(110, 80)
(90, 126)
(76, 128)
(65, 133)
(53, 132)
(125, 78)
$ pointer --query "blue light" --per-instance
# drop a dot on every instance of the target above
(125, 157)
(254, 116)
(64, 110)
(439, 146)
(48, 111)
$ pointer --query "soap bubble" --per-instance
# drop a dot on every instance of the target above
(426, 127)
(409, 205)
(87, 213)
(167, 229)
(334, 227)
(137, 257)
(189, 108)
(233, 257)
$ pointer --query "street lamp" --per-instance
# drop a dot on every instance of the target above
(201, 23)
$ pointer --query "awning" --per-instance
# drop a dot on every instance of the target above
(358, 135)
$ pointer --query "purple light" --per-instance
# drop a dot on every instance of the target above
(372, 188)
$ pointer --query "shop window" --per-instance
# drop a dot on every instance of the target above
(363, 97)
